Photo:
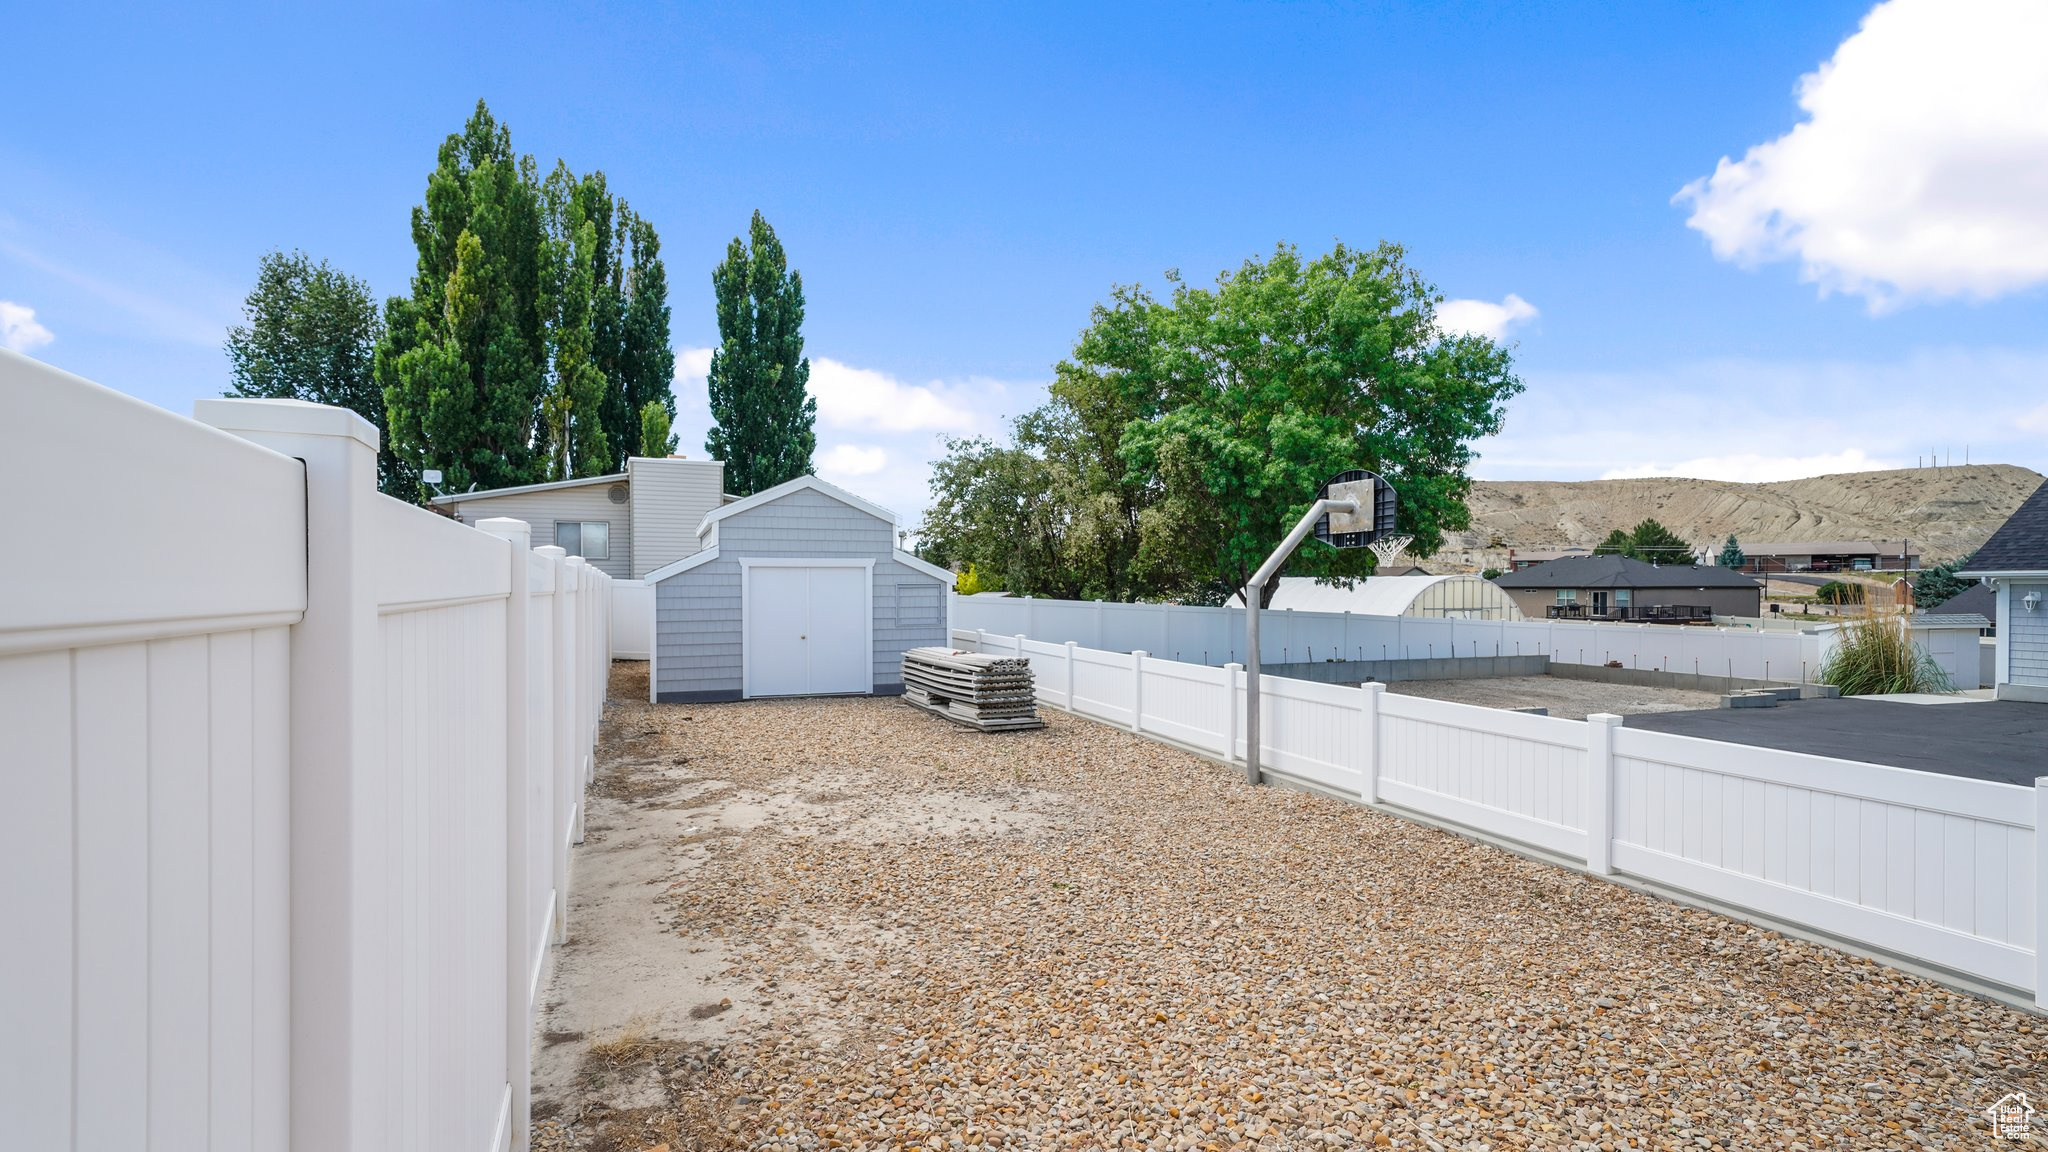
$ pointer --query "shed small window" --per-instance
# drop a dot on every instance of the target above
(590, 539)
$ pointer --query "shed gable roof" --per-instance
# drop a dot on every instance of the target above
(744, 505)
(2021, 543)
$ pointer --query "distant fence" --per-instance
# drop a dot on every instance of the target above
(299, 768)
(1940, 870)
(632, 619)
(1215, 636)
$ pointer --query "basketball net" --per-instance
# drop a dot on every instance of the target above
(1388, 547)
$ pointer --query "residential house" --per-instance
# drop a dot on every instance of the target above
(1618, 588)
(1830, 556)
(2014, 562)
(626, 524)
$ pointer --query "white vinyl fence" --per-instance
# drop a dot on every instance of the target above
(296, 769)
(632, 619)
(1940, 870)
(1215, 636)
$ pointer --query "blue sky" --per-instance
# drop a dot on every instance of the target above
(1862, 285)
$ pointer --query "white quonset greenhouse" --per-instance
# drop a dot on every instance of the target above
(1438, 597)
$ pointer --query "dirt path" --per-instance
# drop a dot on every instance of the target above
(846, 924)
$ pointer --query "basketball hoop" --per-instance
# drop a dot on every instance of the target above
(1388, 547)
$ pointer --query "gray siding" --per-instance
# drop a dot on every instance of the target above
(670, 499)
(2027, 632)
(541, 510)
(697, 625)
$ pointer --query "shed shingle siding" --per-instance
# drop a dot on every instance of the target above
(698, 631)
(2028, 635)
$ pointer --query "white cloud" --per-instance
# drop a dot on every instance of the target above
(851, 460)
(19, 331)
(850, 397)
(1921, 170)
(877, 434)
(1753, 468)
(1484, 317)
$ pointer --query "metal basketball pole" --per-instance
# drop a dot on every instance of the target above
(1255, 592)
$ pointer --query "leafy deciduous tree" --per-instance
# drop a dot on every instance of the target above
(764, 416)
(311, 334)
(1184, 437)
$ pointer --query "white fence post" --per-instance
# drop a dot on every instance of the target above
(1138, 690)
(1370, 708)
(518, 1003)
(1600, 728)
(1070, 675)
(2040, 891)
(340, 952)
(1019, 639)
(1230, 712)
(566, 807)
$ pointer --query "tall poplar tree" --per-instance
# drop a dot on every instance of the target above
(764, 416)
(464, 359)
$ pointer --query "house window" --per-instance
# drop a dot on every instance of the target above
(1567, 595)
(1621, 597)
(590, 539)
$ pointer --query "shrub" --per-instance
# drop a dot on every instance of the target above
(1839, 592)
(1876, 654)
(972, 581)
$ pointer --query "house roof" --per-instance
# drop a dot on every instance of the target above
(800, 484)
(2021, 543)
(1981, 599)
(481, 493)
(1971, 620)
(1621, 572)
(1832, 548)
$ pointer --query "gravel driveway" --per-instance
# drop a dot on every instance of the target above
(846, 923)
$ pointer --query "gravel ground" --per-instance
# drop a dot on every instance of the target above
(848, 924)
(1570, 699)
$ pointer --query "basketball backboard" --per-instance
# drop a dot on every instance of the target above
(1373, 519)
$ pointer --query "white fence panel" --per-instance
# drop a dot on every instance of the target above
(1519, 776)
(1215, 636)
(632, 619)
(283, 888)
(1943, 870)
(1940, 868)
(1312, 731)
(145, 676)
(1190, 704)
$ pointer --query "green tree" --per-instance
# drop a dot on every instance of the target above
(311, 333)
(464, 358)
(1731, 554)
(573, 310)
(1617, 543)
(1940, 584)
(655, 438)
(1184, 437)
(640, 365)
(1653, 543)
(763, 413)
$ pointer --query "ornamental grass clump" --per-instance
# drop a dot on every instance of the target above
(1876, 655)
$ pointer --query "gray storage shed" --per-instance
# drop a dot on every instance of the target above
(799, 590)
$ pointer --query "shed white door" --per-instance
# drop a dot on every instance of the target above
(807, 630)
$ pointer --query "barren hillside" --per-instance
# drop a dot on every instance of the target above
(1947, 511)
